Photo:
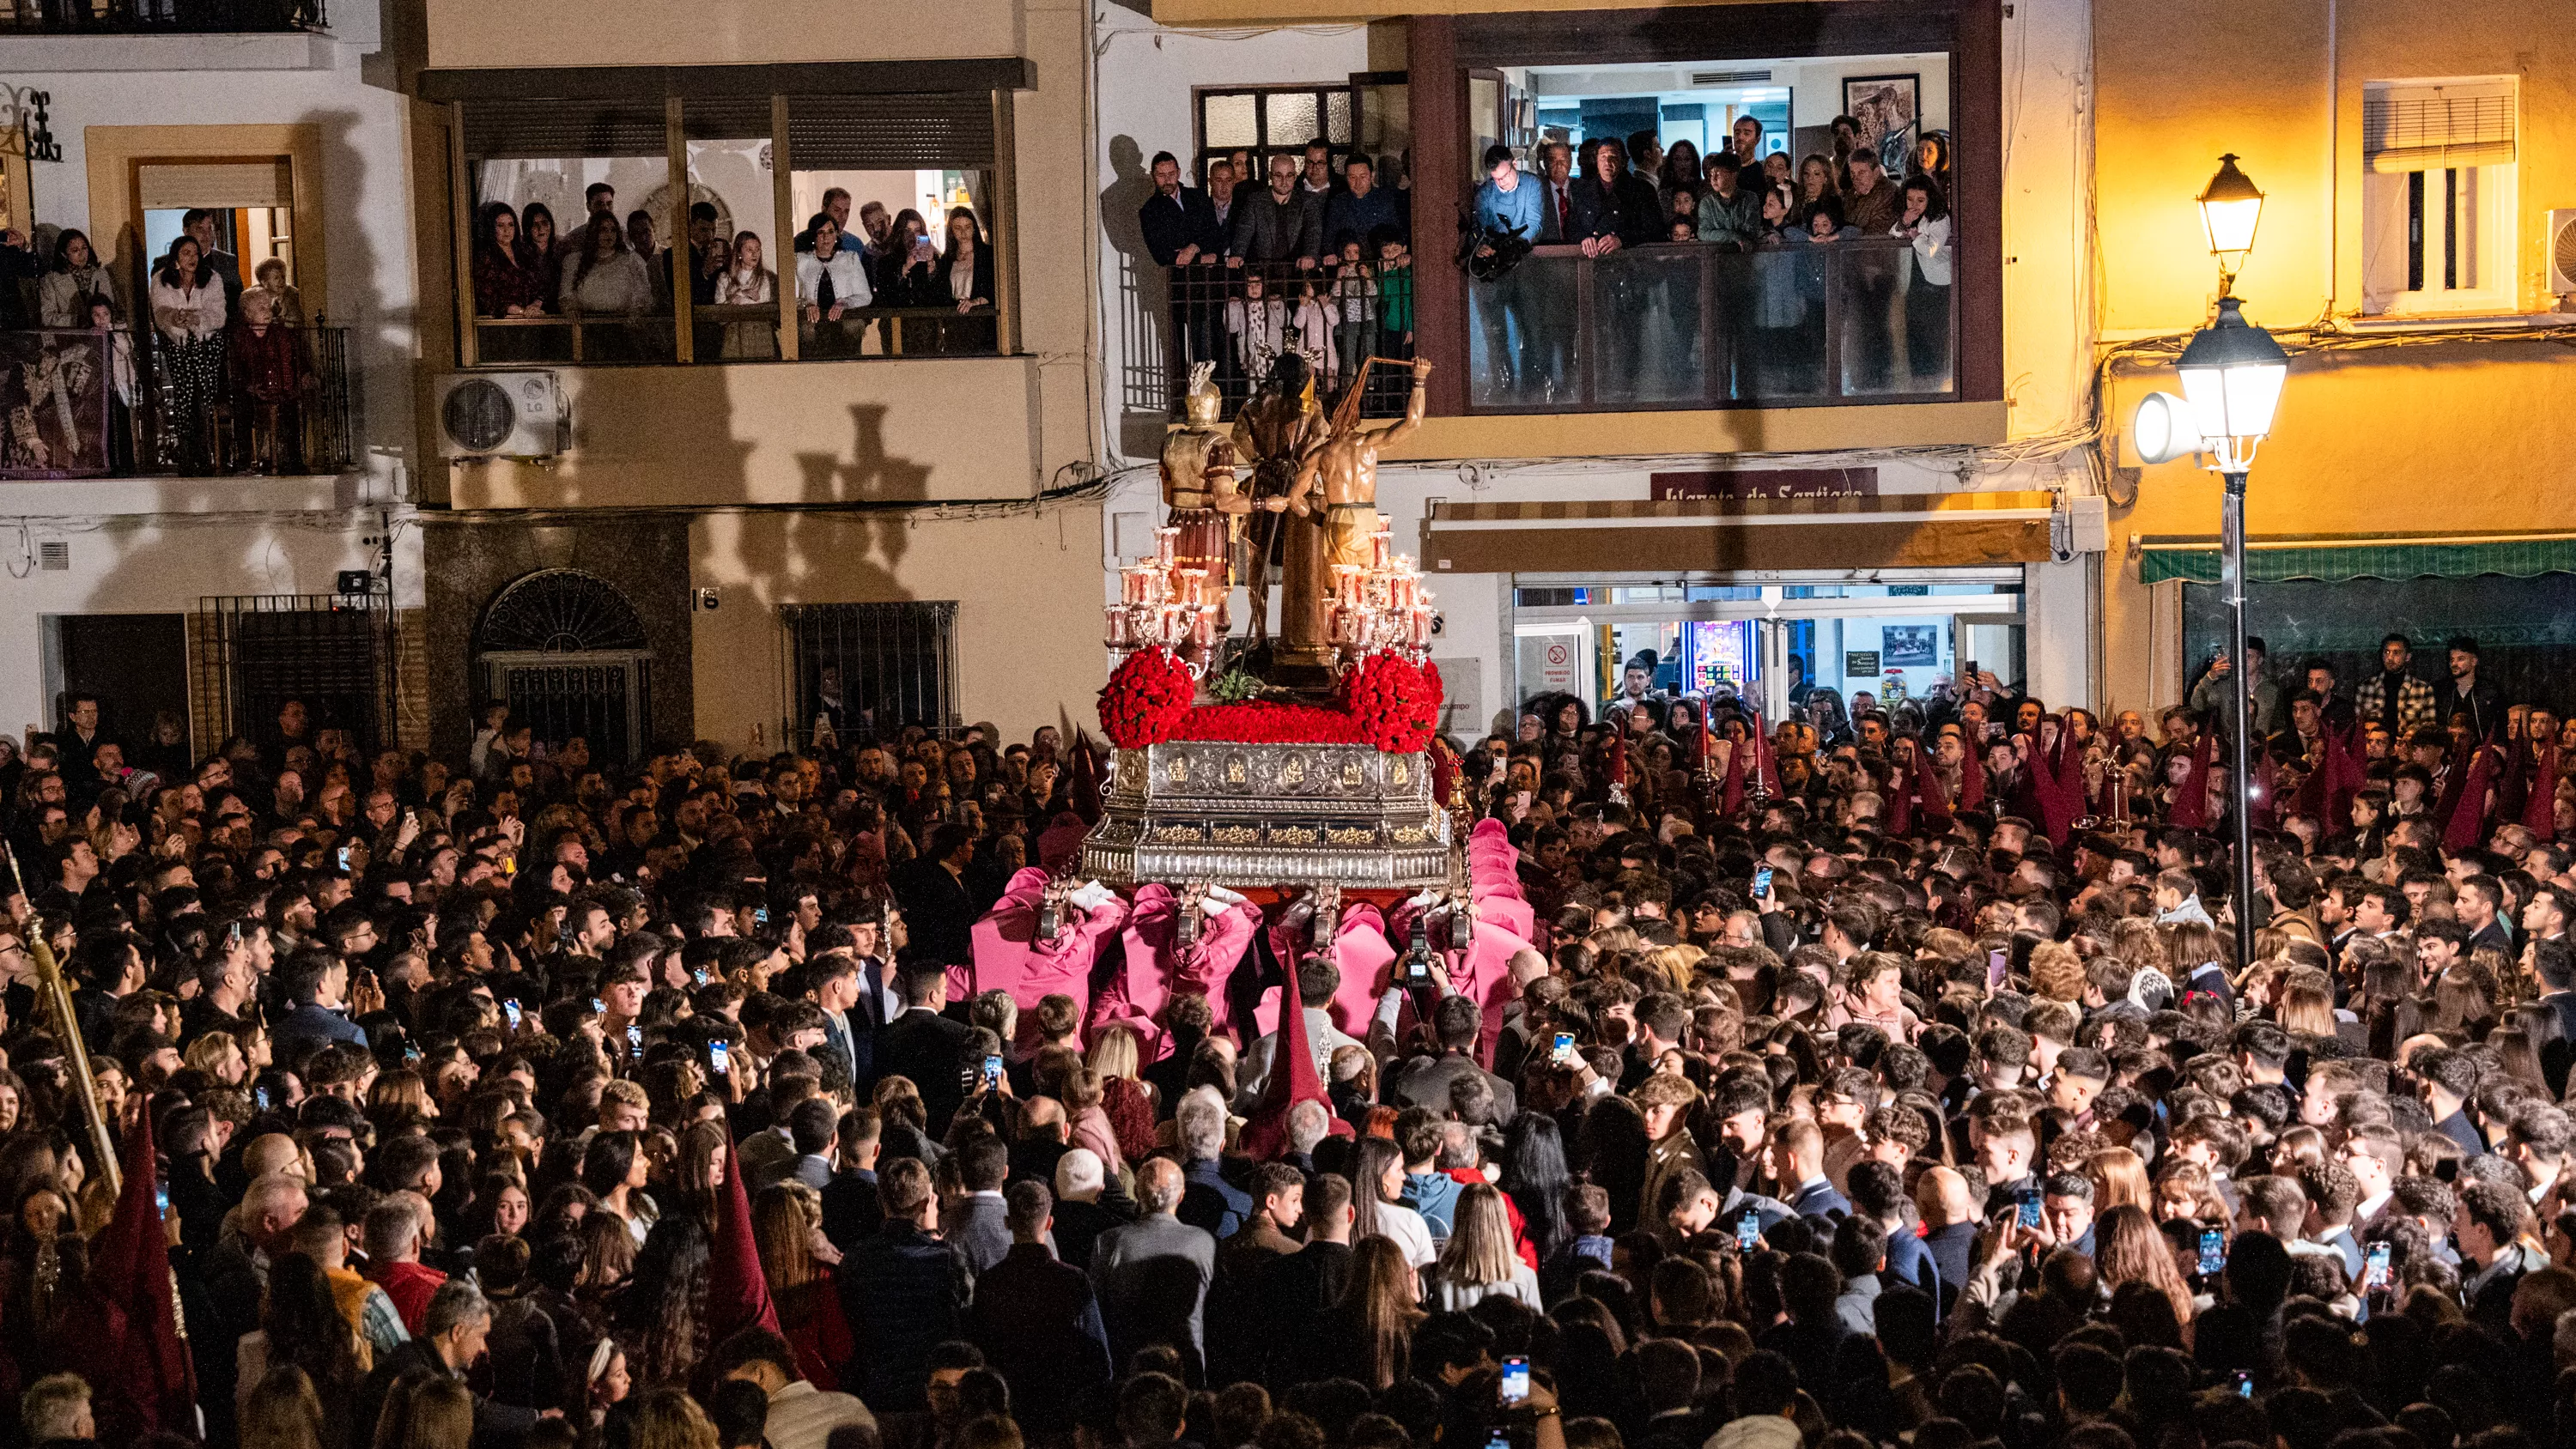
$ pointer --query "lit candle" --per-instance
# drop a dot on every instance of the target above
(1203, 627)
(1119, 634)
(1377, 548)
(1164, 539)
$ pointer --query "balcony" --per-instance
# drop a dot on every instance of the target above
(1244, 317)
(110, 403)
(1690, 325)
(161, 17)
(733, 333)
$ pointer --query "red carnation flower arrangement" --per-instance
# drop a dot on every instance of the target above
(1147, 697)
(1395, 702)
(1270, 724)
(1387, 702)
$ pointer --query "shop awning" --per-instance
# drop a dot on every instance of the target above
(2332, 560)
(1888, 531)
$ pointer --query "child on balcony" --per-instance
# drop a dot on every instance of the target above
(1314, 324)
(1354, 309)
(1394, 292)
(1258, 323)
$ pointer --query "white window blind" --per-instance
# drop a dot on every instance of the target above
(223, 184)
(2436, 126)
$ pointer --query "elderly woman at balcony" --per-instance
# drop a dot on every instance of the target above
(831, 281)
(77, 274)
(606, 279)
(189, 311)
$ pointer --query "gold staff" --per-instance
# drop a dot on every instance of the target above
(57, 997)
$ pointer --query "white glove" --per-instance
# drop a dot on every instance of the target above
(1091, 895)
(1426, 900)
(1220, 900)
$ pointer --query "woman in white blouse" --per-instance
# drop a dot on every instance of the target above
(189, 313)
(830, 282)
(605, 279)
(746, 283)
(1925, 221)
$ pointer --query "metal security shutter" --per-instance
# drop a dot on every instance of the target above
(890, 133)
(501, 129)
(725, 118)
(2415, 127)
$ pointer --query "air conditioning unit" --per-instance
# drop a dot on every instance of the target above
(2562, 251)
(520, 414)
(1701, 78)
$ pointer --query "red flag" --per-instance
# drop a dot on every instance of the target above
(1901, 789)
(1292, 1079)
(141, 1373)
(2540, 812)
(737, 1291)
(1731, 798)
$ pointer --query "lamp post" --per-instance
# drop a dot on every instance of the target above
(2232, 373)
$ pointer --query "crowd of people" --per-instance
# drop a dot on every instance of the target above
(1889, 1078)
(613, 278)
(1745, 197)
(227, 366)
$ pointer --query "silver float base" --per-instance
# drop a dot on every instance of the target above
(1257, 815)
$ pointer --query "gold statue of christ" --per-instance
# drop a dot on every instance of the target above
(1333, 509)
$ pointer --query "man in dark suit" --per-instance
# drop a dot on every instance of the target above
(811, 1126)
(1153, 1274)
(1797, 1152)
(1038, 1321)
(1297, 1287)
(925, 1046)
(1182, 232)
(1209, 1201)
(1425, 1081)
(903, 1291)
(1089, 1205)
(832, 984)
(2480, 907)
(1878, 1195)
(851, 1213)
(975, 1225)
(936, 904)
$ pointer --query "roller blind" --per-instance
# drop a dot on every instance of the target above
(892, 132)
(502, 129)
(2438, 127)
(221, 184)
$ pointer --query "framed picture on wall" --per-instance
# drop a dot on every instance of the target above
(1889, 109)
(1909, 645)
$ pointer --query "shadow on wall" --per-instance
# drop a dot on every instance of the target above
(808, 564)
(1131, 185)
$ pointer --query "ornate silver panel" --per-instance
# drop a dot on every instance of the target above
(1257, 815)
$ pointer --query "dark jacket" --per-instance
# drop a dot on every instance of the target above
(309, 1026)
(2482, 702)
(1038, 1322)
(1152, 1277)
(904, 1292)
(495, 1425)
(975, 1227)
(1079, 1226)
(935, 904)
(1210, 1203)
(1295, 1290)
(1626, 208)
(1424, 1081)
(925, 1046)
(1349, 218)
(1267, 229)
(1171, 223)
(851, 1212)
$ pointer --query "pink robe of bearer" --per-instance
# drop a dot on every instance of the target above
(1009, 957)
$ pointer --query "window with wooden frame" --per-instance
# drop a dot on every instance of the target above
(1272, 120)
(609, 260)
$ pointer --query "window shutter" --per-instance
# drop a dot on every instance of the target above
(498, 130)
(2437, 127)
(215, 184)
(891, 132)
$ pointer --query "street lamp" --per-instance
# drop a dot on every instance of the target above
(2231, 206)
(2232, 377)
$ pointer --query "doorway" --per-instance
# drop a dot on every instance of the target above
(137, 665)
(1776, 641)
